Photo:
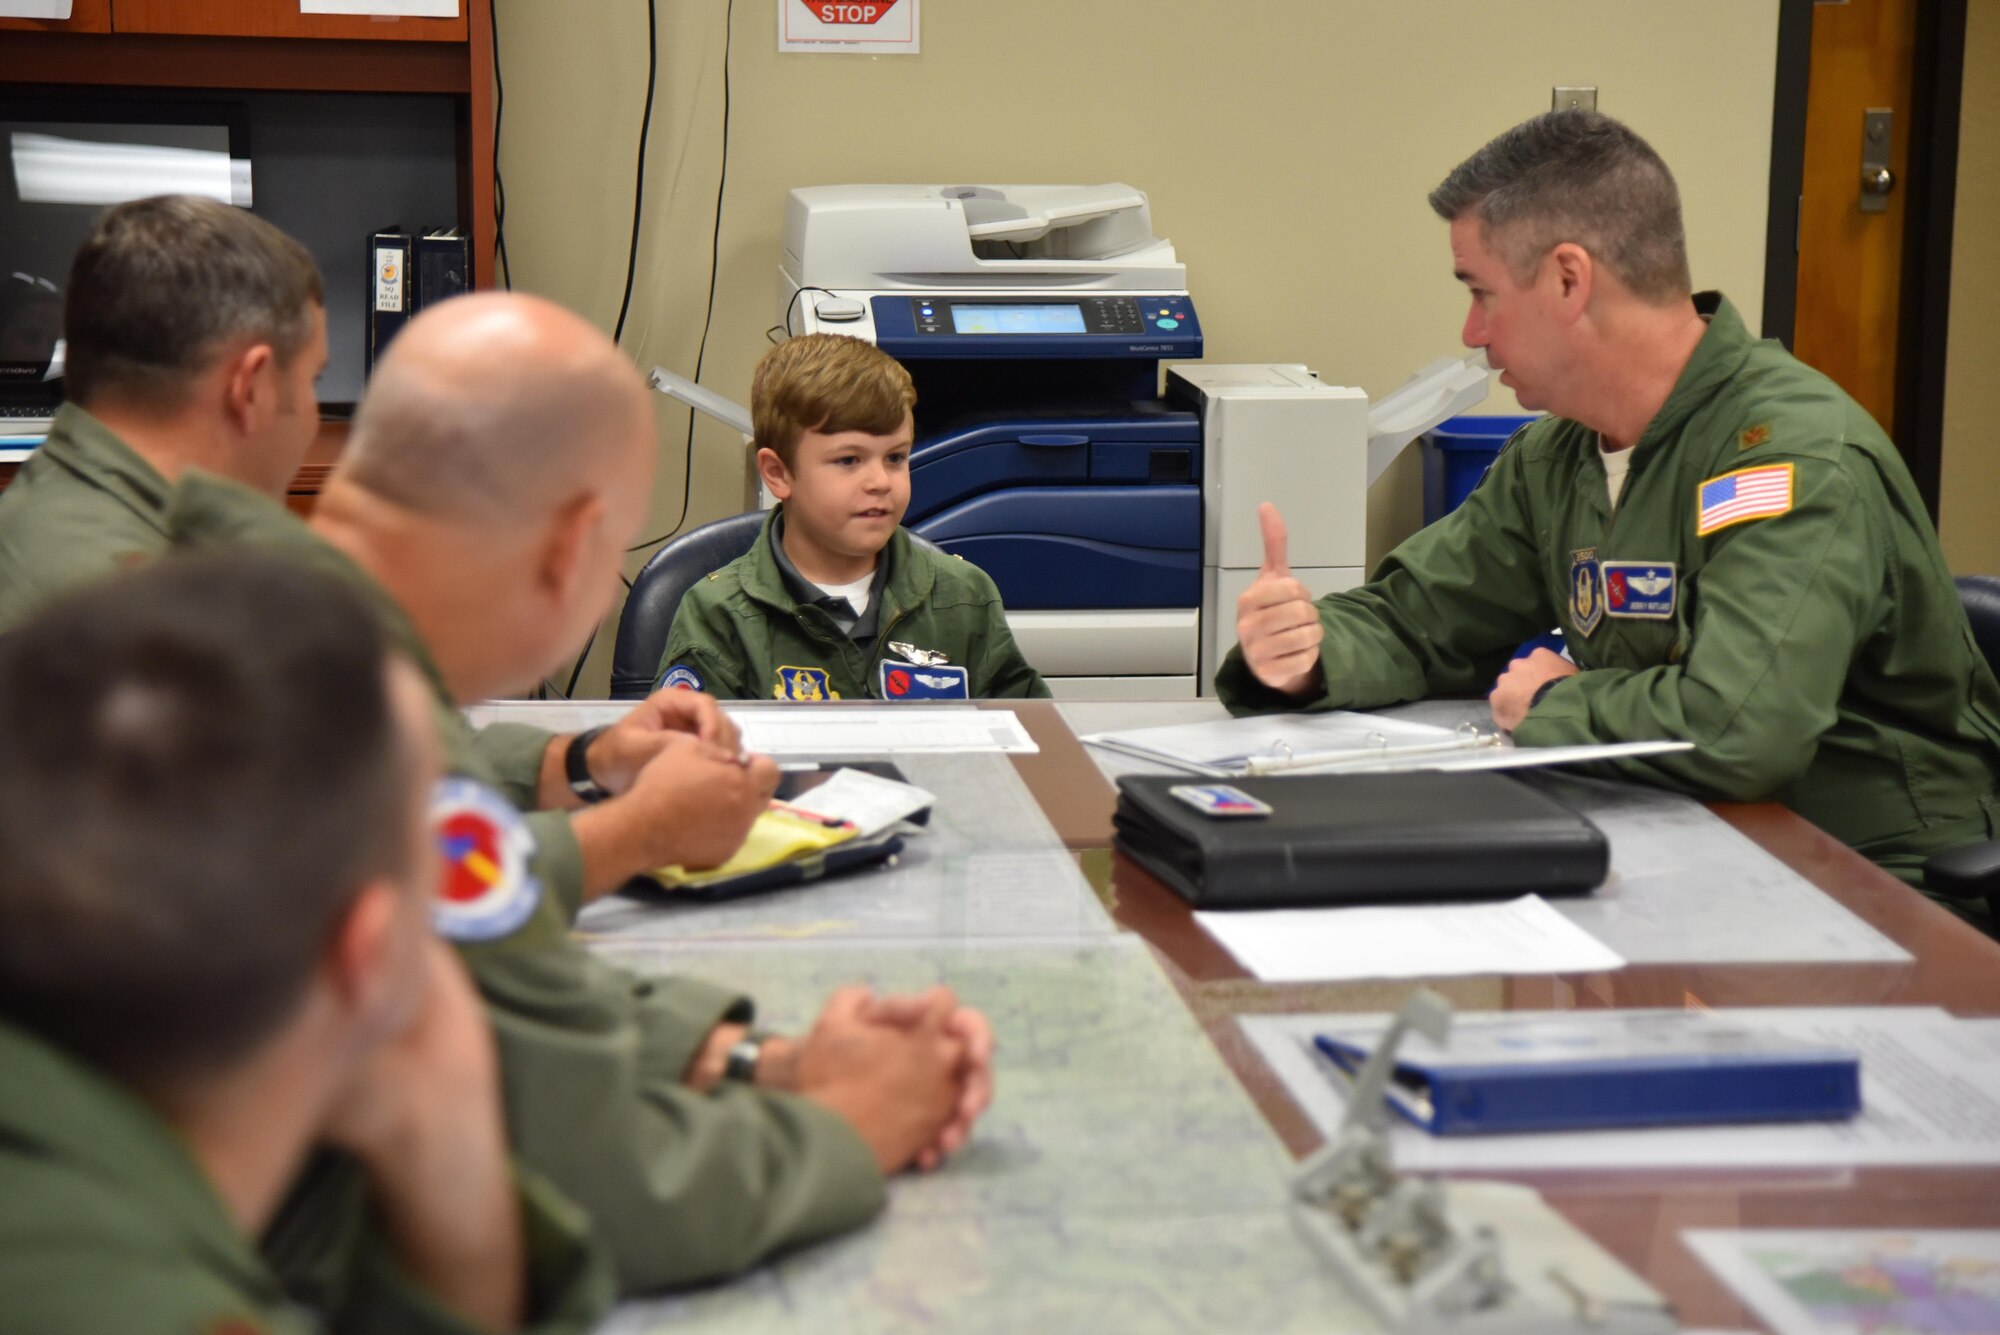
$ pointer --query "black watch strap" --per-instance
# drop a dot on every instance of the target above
(741, 1062)
(1542, 691)
(576, 767)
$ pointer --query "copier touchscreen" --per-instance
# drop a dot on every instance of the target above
(1017, 318)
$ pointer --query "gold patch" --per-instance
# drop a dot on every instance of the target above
(803, 683)
(1754, 436)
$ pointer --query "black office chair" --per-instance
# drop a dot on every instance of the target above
(1974, 871)
(657, 592)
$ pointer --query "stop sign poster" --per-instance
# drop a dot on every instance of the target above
(862, 27)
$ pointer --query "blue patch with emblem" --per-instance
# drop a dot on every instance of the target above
(486, 891)
(935, 681)
(680, 677)
(803, 683)
(1586, 591)
(1641, 589)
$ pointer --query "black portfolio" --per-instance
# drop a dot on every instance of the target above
(1360, 838)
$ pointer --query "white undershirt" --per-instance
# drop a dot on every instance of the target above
(855, 593)
(1616, 464)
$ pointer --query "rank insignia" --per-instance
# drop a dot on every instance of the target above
(900, 681)
(803, 683)
(1586, 596)
(1754, 436)
(487, 890)
(1643, 590)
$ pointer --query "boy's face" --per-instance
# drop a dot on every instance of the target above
(846, 491)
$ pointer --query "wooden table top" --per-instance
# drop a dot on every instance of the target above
(1637, 1215)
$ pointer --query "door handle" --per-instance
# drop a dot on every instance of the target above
(1878, 125)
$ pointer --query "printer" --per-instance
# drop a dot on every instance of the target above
(1117, 516)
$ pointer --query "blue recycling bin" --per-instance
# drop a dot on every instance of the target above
(1457, 453)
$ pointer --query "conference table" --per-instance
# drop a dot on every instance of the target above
(1635, 1215)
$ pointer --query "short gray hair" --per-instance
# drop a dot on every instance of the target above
(1575, 176)
(162, 284)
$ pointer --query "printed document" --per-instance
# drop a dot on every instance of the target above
(1930, 1094)
(1422, 941)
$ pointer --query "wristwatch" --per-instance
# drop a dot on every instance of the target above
(576, 767)
(1542, 691)
(741, 1062)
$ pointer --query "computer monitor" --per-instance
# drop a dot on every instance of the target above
(64, 157)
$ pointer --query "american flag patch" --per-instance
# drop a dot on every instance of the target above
(1747, 493)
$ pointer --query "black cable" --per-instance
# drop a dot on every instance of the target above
(795, 301)
(714, 267)
(639, 176)
(569, 692)
(499, 186)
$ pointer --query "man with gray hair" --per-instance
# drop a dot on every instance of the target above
(193, 332)
(1733, 549)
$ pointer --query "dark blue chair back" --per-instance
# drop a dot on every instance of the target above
(657, 592)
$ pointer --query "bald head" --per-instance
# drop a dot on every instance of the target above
(499, 406)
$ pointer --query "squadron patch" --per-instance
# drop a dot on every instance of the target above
(901, 681)
(803, 683)
(680, 677)
(1586, 594)
(1640, 589)
(487, 890)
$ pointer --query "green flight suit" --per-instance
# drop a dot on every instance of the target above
(743, 636)
(108, 1224)
(83, 505)
(683, 1186)
(1818, 656)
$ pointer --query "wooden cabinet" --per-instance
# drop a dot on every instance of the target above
(270, 45)
(279, 18)
(84, 16)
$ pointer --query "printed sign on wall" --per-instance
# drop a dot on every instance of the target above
(858, 27)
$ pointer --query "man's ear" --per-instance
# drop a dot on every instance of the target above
(564, 543)
(1574, 273)
(777, 477)
(359, 959)
(247, 381)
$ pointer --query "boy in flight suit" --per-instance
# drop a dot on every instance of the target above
(837, 600)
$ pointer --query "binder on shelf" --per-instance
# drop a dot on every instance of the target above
(444, 266)
(391, 291)
(1607, 1069)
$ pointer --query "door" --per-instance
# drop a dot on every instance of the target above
(1850, 256)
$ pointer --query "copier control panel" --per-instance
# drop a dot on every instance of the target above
(1084, 325)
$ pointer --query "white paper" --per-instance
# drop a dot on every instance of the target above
(812, 730)
(1851, 1281)
(1427, 941)
(35, 9)
(1346, 741)
(415, 9)
(1930, 1094)
(867, 801)
(857, 27)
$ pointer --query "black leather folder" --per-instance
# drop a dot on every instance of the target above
(1361, 838)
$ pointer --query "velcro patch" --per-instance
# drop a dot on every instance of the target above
(487, 890)
(938, 681)
(1747, 493)
(803, 683)
(1643, 589)
(680, 677)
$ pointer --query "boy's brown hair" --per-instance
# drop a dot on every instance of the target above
(828, 383)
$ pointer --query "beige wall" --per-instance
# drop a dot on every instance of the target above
(1286, 144)
(1969, 510)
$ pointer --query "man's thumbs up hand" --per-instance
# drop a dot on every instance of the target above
(1276, 622)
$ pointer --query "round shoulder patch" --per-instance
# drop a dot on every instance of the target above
(680, 677)
(486, 890)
